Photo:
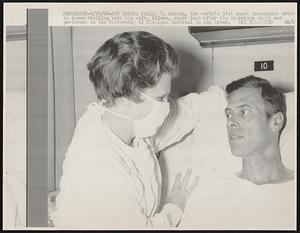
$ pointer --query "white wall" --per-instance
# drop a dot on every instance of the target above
(235, 62)
(195, 63)
(15, 60)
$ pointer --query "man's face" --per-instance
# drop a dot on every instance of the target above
(249, 129)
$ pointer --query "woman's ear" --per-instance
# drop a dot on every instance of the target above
(122, 101)
(136, 97)
(277, 121)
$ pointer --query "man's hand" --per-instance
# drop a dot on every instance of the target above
(180, 190)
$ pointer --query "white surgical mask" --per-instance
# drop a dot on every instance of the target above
(151, 123)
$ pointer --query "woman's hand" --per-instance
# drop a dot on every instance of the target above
(180, 190)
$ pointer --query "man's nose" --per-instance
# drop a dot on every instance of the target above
(232, 123)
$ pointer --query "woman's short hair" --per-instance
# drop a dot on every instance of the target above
(130, 61)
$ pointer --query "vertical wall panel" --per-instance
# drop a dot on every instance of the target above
(51, 131)
(37, 118)
(64, 107)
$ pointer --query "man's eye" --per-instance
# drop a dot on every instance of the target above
(228, 115)
(245, 112)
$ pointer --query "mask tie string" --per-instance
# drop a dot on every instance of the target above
(118, 114)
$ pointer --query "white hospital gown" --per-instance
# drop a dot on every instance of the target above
(231, 203)
(107, 184)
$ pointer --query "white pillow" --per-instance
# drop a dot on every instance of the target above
(287, 139)
(206, 150)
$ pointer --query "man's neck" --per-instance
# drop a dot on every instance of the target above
(265, 167)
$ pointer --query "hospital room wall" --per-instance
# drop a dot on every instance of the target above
(234, 62)
(15, 69)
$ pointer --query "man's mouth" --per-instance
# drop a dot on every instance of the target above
(235, 137)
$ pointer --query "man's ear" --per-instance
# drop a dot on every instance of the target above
(277, 121)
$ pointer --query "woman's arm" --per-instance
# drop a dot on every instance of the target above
(185, 114)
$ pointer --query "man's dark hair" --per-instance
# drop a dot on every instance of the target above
(272, 96)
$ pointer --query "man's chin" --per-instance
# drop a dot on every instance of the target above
(238, 152)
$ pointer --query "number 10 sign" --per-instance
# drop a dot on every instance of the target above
(263, 65)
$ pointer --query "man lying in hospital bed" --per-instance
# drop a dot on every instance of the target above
(226, 198)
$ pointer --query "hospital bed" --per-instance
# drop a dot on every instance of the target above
(206, 150)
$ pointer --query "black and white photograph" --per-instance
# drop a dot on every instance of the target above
(189, 126)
